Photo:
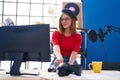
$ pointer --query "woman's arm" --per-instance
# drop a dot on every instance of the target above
(73, 57)
(57, 53)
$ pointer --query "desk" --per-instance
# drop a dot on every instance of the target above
(44, 75)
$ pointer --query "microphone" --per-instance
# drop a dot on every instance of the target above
(101, 34)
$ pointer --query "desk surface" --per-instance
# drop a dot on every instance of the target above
(44, 75)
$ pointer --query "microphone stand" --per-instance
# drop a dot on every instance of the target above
(109, 28)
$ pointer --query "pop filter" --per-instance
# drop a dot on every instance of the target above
(92, 35)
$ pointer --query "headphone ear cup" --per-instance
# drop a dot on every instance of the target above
(63, 69)
(92, 35)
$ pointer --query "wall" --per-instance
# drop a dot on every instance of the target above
(100, 13)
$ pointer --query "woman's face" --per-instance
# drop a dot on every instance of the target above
(66, 21)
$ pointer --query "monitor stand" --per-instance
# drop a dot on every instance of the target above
(15, 69)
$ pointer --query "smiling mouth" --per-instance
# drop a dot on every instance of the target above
(64, 24)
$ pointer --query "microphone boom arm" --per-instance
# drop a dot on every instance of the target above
(114, 28)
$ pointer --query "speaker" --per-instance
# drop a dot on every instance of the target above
(77, 7)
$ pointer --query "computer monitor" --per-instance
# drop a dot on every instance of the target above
(24, 43)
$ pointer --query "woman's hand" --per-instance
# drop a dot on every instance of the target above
(58, 61)
(73, 57)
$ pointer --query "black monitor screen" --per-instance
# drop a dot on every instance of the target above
(32, 40)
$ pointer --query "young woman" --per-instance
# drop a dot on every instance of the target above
(66, 41)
